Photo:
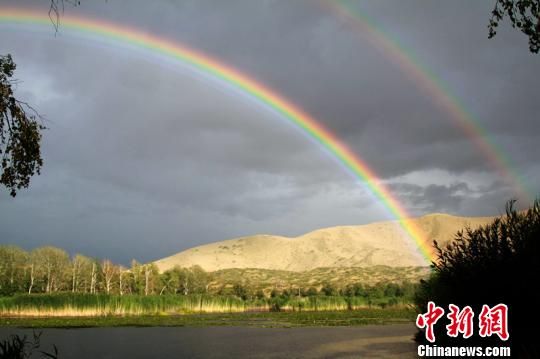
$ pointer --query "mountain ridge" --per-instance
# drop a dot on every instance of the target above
(378, 243)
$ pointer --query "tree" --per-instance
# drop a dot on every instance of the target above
(328, 289)
(81, 267)
(52, 265)
(523, 14)
(259, 294)
(151, 277)
(147, 276)
(108, 269)
(497, 263)
(135, 279)
(312, 291)
(121, 279)
(93, 276)
(359, 290)
(12, 267)
(391, 290)
(20, 134)
(20, 131)
(200, 279)
(33, 269)
(240, 291)
(170, 280)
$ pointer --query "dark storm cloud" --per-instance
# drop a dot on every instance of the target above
(142, 152)
(444, 198)
(313, 57)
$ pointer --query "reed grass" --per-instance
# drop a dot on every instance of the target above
(67, 305)
(92, 305)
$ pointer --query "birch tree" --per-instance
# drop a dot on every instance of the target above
(31, 269)
(80, 273)
(121, 282)
(53, 263)
(93, 277)
(12, 266)
(108, 270)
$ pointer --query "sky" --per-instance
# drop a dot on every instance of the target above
(145, 158)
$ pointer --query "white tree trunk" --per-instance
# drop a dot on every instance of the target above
(48, 289)
(31, 278)
(146, 279)
(93, 279)
(74, 278)
(120, 288)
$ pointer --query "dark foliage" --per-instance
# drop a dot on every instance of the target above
(240, 291)
(523, 14)
(20, 347)
(56, 9)
(20, 134)
(497, 263)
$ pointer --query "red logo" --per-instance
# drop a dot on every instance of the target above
(460, 321)
(429, 319)
(490, 321)
(494, 321)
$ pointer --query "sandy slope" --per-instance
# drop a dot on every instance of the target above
(381, 243)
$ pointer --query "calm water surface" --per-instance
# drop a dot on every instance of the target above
(374, 341)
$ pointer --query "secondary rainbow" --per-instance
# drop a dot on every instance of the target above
(231, 76)
(433, 87)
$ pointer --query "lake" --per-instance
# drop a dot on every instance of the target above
(371, 341)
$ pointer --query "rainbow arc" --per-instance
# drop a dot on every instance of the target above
(210, 67)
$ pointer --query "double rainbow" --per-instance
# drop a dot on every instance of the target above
(433, 87)
(208, 66)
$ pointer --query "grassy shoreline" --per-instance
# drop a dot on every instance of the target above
(68, 310)
(250, 319)
(100, 305)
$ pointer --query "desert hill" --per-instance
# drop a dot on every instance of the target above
(380, 243)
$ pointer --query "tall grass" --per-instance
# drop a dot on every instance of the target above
(67, 304)
(91, 305)
(320, 303)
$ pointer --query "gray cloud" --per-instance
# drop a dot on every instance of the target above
(142, 151)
